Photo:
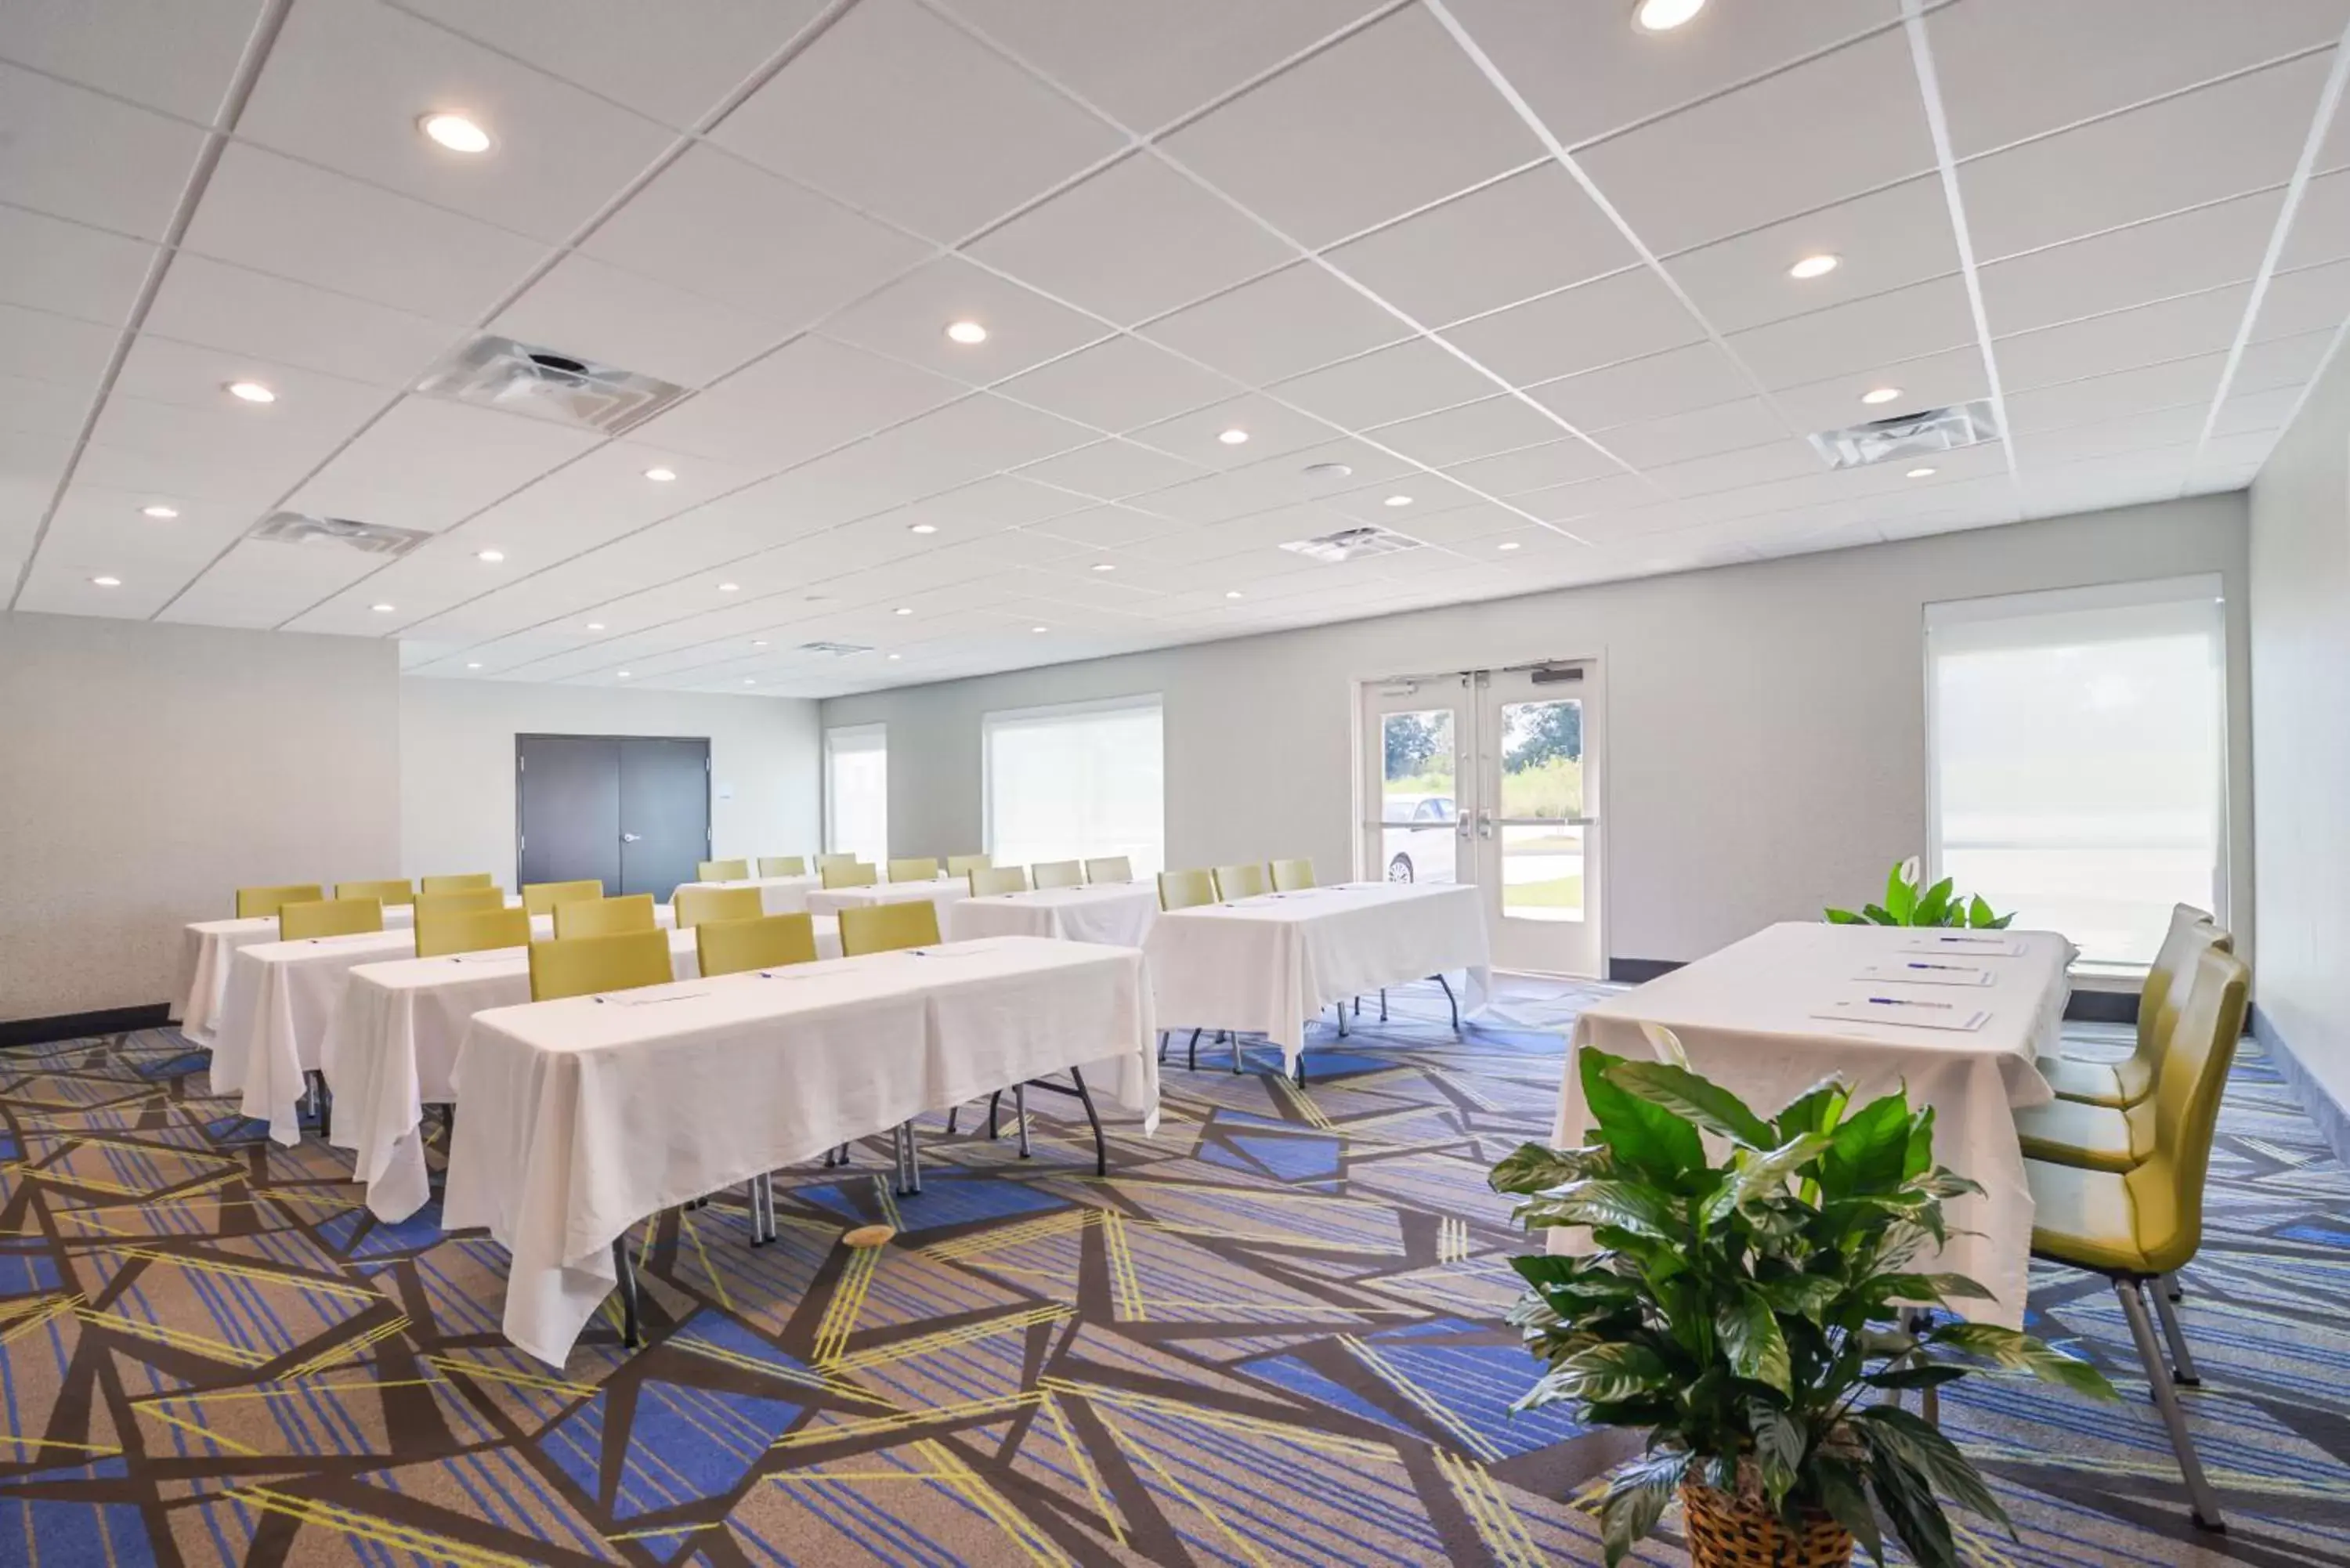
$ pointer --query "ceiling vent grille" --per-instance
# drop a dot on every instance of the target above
(500, 373)
(301, 529)
(1909, 436)
(833, 649)
(1353, 543)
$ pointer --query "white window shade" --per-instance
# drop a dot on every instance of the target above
(1077, 782)
(857, 792)
(2079, 745)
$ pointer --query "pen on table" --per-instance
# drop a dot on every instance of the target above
(1961, 968)
(1897, 1001)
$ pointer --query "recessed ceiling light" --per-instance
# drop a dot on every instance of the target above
(1919, 474)
(251, 392)
(383, 609)
(163, 512)
(473, 667)
(660, 475)
(621, 674)
(1880, 394)
(455, 132)
(747, 680)
(1036, 628)
(903, 609)
(594, 626)
(921, 527)
(1329, 471)
(1815, 265)
(758, 642)
(1664, 16)
(893, 656)
(1397, 501)
(1105, 567)
(1507, 545)
(492, 556)
(966, 332)
(107, 582)
(730, 587)
(1232, 593)
(1232, 437)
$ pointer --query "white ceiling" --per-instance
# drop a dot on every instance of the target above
(1514, 259)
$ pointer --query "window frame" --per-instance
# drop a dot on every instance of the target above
(990, 721)
(832, 736)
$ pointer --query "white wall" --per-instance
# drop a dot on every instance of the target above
(1765, 723)
(2301, 700)
(457, 764)
(148, 771)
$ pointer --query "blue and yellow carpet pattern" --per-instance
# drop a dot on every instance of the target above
(1271, 1336)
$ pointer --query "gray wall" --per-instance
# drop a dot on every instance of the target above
(146, 771)
(1765, 723)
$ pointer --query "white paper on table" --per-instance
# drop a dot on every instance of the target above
(1907, 1013)
(1971, 946)
(1923, 972)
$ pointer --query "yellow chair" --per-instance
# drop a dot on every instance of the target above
(328, 917)
(991, 879)
(723, 870)
(915, 868)
(1109, 869)
(963, 864)
(540, 898)
(2138, 1226)
(1059, 872)
(762, 941)
(581, 966)
(472, 932)
(783, 866)
(1186, 890)
(855, 874)
(696, 905)
(388, 894)
(1289, 875)
(605, 917)
(253, 902)
(469, 900)
(2126, 1082)
(911, 924)
(469, 880)
(823, 860)
(1242, 881)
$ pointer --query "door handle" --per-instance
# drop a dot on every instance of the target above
(631, 838)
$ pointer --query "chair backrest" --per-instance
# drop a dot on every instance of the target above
(763, 942)
(823, 860)
(987, 879)
(605, 917)
(851, 874)
(1242, 881)
(696, 905)
(470, 931)
(783, 864)
(540, 898)
(2192, 933)
(466, 901)
(1109, 869)
(328, 917)
(255, 901)
(913, 924)
(915, 868)
(1289, 875)
(723, 870)
(1186, 890)
(469, 880)
(1058, 873)
(580, 966)
(963, 864)
(2166, 1188)
(387, 893)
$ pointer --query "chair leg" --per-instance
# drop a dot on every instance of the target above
(2173, 1288)
(2182, 1361)
(2202, 1502)
(1162, 1047)
(1453, 1001)
(762, 1209)
(1195, 1051)
(994, 1100)
(1085, 1098)
(1383, 1005)
(1358, 1007)
(1301, 1066)
(913, 1161)
(630, 1333)
(1234, 1036)
(1342, 1021)
(1020, 1109)
(953, 1112)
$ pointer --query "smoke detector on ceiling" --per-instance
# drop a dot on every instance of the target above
(1907, 436)
(500, 373)
(301, 529)
(1353, 543)
(833, 649)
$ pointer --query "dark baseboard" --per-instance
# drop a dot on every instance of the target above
(79, 1026)
(1640, 971)
(2102, 1007)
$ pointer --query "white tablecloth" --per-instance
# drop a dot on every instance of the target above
(1744, 1014)
(583, 1117)
(204, 953)
(777, 894)
(1272, 963)
(944, 893)
(1117, 913)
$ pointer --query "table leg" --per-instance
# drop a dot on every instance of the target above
(630, 1335)
(1020, 1109)
(1085, 1098)
(1453, 1001)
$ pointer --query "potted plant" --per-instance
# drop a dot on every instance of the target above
(1747, 1313)
(1906, 905)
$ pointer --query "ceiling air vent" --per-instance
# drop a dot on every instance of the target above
(301, 529)
(833, 649)
(1907, 436)
(500, 373)
(1353, 543)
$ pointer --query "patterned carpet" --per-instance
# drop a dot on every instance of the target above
(1271, 1336)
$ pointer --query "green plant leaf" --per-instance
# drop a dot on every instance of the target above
(1844, 1494)
(1866, 1153)
(1646, 1136)
(1901, 898)
(1620, 1370)
(1914, 1377)
(1694, 1099)
(1816, 1109)
(2021, 1352)
(1628, 1206)
(1927, 1288)
(1878, 915)
(1799, 1295)
(1750, 1339)
(1844, 918)
(1778, 1447)
(1637, 1493)
(1979, 915)
(1533, 1167)
(1908, 1504)
(1934, 909)
(1932, 1457)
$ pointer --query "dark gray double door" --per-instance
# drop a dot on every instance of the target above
(632, 813)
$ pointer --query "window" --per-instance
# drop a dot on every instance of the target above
(2078, 744)
(1076, 783)
(857, 792)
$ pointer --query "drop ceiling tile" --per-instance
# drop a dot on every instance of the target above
(807, 397)
(1417, 376)
(1570, 461)
(177, 56)
(908, 320)
(1111, 469)
(43, 407)
(962, 442)
(2251, 413)
(1673, 382)
(896, 113)
(232, 307)
(1700, 433)
(74, 154)
(2235, 136)
(1886, 240)
(1315, 473)
(2321, 224)
(2038, 454)
(1627, 315)
(1529, 234)
(637, 55)
(1117, 384)
(1502, 423)
(99, 532)
(1400, 499)
(1903, 324)
(587, 502)
(1132, 241)
(429, 462)
(2247, 449)
(2014, 68)
(1105, 527)
(64, 351)
(70, 269)
(1569, 505)
(2183, 254)
(1764, 462)
(1272, 429)
(1392, 118)
(1754, 155)
(1002, 501)
(1928, 381)
(2280, 362)
(1292, 321)
(32, 462)
(2309, 300)
(263, 584)
(2121, 340)
(589, 310)
(2099, 398)
(279, 216)
(61, 582)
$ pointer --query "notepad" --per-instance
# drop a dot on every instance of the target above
(1968, 944)
(651, 1001)
(1939, 968)
(1908, 1013)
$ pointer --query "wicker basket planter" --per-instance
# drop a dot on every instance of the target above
(1726, 1530)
